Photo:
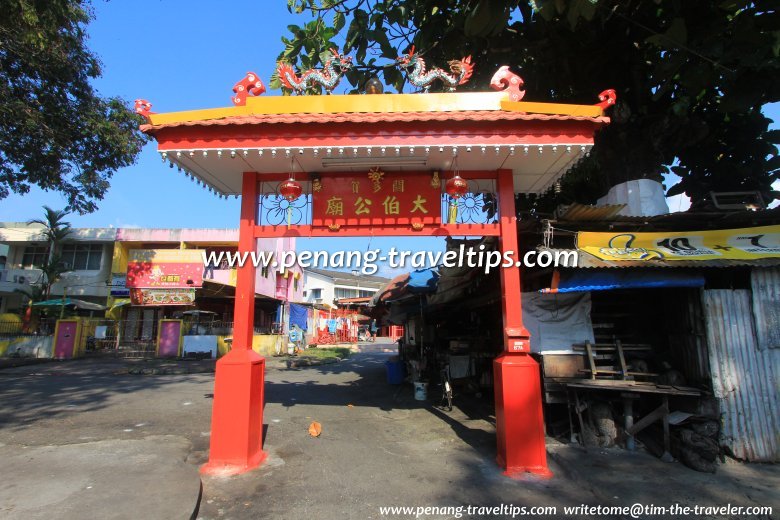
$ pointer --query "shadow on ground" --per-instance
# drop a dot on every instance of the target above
(379, 447)
(83, 400)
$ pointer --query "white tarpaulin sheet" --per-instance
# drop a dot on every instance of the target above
(556, 321)
(643, 198)
(201, 344)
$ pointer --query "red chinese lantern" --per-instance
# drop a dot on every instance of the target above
(290, 189)
(456, 187)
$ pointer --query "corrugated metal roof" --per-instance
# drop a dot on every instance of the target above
(766, 306)
(588, 261)
(744, 378)
(366, 300)
(582, 212)
(377, 117)
(350, 278)
(687, 220)
(393, 290)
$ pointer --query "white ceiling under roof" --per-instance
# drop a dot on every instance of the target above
(535, 167)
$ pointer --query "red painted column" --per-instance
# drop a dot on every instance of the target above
(237, 414)
(516, 380)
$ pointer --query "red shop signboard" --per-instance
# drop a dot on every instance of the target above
(377, 198)
(164, 268)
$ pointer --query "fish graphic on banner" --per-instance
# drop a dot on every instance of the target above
(724, 244)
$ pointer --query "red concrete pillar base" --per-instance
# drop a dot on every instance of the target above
(237, 415)
(519, 416)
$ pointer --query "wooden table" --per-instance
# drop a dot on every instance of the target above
(629, 391)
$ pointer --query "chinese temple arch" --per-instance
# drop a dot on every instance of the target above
(374, 165)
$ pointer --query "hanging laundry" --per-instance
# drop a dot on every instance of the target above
(333, 326)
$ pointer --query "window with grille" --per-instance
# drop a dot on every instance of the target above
(342, 292)
(82, 257)
(264, 271)
(34, 256)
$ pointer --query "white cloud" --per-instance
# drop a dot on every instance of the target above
(120, 224)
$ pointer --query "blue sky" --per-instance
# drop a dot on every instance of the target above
(181, 55)
(185, 55)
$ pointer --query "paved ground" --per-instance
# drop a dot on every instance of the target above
(379, 447)
(146, 478)
(388, 449)
(84, 439)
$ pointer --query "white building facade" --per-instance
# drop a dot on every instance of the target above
(322, 286)
(86, 252)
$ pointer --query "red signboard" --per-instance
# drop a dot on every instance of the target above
(164, 268)
(377, 198)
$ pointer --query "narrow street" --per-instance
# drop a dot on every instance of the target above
(379, 447)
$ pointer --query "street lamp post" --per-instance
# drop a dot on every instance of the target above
(357, 280)
(62, 301)
(64, 278)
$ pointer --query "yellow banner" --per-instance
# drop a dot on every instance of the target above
(724, 244)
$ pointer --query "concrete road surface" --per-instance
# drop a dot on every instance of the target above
(76, 436)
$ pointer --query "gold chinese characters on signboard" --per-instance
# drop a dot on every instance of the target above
(377, 198)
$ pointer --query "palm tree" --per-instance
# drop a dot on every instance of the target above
(55, 229)
(33, 293)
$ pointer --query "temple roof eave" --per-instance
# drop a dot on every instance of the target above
(485, 106)
(486, 131)
(370, 118)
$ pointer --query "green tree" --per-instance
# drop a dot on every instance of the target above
(691, 75)
(34, 293)
(56, 132)
(55, 230)
(51, 271)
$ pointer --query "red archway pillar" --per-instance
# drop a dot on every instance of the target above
(516, 379)
(237, 414)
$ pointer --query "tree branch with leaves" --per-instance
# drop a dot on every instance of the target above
(56, 132)
(691, 76)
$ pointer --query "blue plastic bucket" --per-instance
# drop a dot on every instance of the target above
(395, 371)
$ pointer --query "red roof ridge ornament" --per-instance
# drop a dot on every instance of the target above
(607, 98)
(251, 84)
(506, 80)
(144, 108)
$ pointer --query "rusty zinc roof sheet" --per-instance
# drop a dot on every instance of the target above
(588, 261)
